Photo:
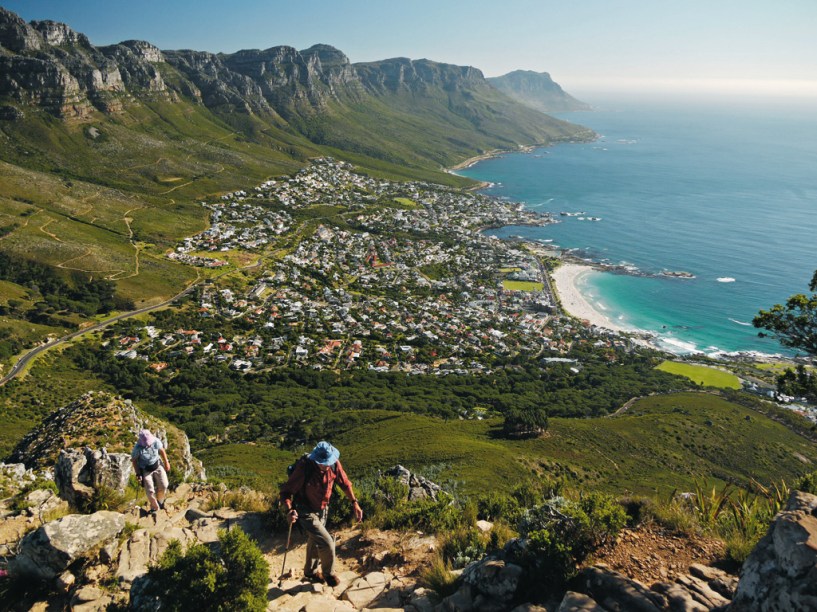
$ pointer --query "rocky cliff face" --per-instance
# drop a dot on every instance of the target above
(404, 75)
(48, 65)
(537, 90)
(101, 420)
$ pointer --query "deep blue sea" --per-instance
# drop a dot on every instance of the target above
(727, 192)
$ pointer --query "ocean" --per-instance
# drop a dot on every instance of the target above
(727, 192)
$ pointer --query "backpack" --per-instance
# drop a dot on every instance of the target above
(146, 455)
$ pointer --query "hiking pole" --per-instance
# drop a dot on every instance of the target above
(286, 550)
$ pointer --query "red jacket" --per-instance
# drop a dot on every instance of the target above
(315, 493)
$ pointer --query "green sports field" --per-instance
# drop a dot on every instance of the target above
(703, 375)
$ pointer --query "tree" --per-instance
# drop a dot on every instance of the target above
(527, 422)
(794, 323)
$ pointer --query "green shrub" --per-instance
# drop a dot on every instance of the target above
(493, 506)
(499, 536)
(807, 483)
(425, 514)
(233, 579)
(676, 514)
(104, 498)
(438, 577)
(463, 545)
(638, 509)
(561, 534)
(390, 491)
(551, 558)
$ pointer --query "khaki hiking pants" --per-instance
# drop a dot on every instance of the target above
(320, 545)
(155, 485)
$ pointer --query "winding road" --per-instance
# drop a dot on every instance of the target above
(21, 364)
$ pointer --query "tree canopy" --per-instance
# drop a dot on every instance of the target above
(794, 323)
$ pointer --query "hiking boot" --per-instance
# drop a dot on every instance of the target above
(162, 505)
(315, 576)
(333, 580)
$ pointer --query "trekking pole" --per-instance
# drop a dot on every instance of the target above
(286, 550)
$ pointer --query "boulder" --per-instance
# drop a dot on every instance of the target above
(79, 472)
(41, 502)
(365, 590)
(493, 578)
(679, 598)
(421, 600)
(617, 592)
(781, 572)
(579, 602)
(419, 487)
(461, 601)
(719, 581)
(48, 551)
(144, 548)
(140, 600)
(14, 471)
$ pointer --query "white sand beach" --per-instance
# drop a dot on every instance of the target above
(565, 278)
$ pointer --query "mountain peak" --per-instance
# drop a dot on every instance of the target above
(328, 55)
(536, 90)
(16, 35)
(55, 33)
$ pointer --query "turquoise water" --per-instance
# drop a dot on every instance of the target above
(723, 192)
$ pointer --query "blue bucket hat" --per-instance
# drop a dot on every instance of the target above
(324, 454)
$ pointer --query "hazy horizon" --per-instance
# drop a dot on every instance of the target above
(744, 47)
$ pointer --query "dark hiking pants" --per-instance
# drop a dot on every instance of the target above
(320, 545)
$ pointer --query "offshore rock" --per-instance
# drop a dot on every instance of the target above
(47, 552)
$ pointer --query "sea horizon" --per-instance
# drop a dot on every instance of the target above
(722, 190)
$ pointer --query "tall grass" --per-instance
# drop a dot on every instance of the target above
(739, 517)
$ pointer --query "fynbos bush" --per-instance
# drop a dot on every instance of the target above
(199, 579)
(561, 533)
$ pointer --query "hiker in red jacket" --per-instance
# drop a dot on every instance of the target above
(306, 498)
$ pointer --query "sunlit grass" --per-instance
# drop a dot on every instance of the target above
(515, 285)
(703, 375)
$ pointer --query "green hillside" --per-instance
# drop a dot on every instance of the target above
(662, 443)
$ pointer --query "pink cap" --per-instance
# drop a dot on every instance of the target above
(146, 438)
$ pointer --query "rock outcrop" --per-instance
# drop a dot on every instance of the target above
(102, 420)
(79, 472)
(781, 572)
(49, 65)
(46, 553)
(419, 487)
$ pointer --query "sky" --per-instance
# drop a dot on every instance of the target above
(739, 46)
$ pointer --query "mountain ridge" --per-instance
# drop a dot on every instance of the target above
(49, 66)
(537, 90)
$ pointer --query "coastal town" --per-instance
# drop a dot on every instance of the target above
(352, 271)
